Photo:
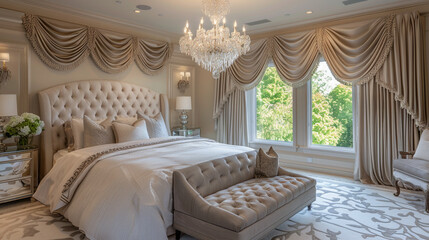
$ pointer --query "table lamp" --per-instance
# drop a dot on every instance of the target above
(8, 108)
(183, 103)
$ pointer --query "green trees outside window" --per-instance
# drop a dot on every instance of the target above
(332, 109)
(274, 111)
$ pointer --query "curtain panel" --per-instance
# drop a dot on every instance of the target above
(384, 57)
(64, 46)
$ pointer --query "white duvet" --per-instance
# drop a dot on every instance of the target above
(125, 194)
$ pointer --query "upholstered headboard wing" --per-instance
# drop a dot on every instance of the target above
(97, 99)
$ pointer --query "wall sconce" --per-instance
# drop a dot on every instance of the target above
(184, 81)
(5, 73)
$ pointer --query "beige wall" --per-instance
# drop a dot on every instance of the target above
(204, 95)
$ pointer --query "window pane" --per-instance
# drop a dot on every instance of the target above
(274, 112)
(332, 110)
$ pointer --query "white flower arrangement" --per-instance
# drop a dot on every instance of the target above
(26, 125)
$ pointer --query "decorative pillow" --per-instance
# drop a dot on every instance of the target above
(74, 130)
(69, 135)
(125, 132)
(422, 151)
(267, 164)
(126, 120)
(77, 131)
(155, 125)
(97, 133)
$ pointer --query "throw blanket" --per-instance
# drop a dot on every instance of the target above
(124, 191)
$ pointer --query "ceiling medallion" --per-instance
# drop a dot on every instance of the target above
(216, 49)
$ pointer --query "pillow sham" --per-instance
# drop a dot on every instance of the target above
(422, 151)
(97, 133)
(125, 132)
(155, 125)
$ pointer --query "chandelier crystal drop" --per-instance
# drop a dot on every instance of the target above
(216, 49)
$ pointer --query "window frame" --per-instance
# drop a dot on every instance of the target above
(302, 125)
(310, 122)
(252, 120)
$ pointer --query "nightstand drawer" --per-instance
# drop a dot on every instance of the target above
(18, 173)
(15, 168)
(13, 189)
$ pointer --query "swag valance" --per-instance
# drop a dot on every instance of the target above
(64, 46)
(355, 53)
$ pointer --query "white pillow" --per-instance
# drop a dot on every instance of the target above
(422, 151)
(125, 132)
(155, 125)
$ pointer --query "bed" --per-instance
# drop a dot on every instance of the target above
(118, 190)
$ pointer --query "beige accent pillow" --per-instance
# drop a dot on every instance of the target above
(97, 133)
(69, 135)
(126, 120)
(155, 125)
(74, 134)
(77, 131)
(422, 151)
(125, 132)
(267, 164)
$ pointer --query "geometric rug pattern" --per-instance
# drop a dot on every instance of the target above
(342, 210)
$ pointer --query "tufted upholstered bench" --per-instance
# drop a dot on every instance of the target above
(221, 199)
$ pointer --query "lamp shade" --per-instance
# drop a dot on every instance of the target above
(4, 57)
(183, 103)
(8, 105)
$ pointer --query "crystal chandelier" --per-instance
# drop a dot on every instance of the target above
(215, 49)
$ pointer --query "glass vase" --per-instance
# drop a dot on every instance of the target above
(23, 142)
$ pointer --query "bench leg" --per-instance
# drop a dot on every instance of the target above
(398, 190)
(309, 207)
(178, 233)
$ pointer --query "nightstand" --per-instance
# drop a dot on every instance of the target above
(18, 173)
(189, 132)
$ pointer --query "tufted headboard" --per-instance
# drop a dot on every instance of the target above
(97, 99)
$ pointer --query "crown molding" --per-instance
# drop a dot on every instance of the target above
(81, 17)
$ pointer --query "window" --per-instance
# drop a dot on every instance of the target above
(331, 110)
(274, 108)
(315, 117)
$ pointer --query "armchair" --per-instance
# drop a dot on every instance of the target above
(414, 171)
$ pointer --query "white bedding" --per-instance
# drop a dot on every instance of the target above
(126, 194)
(59, 155)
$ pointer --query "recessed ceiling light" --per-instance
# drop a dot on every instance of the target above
(309, 12)
(144, 7)
(118, 2)
(137, 11)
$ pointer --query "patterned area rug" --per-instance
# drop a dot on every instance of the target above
(342, 211)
